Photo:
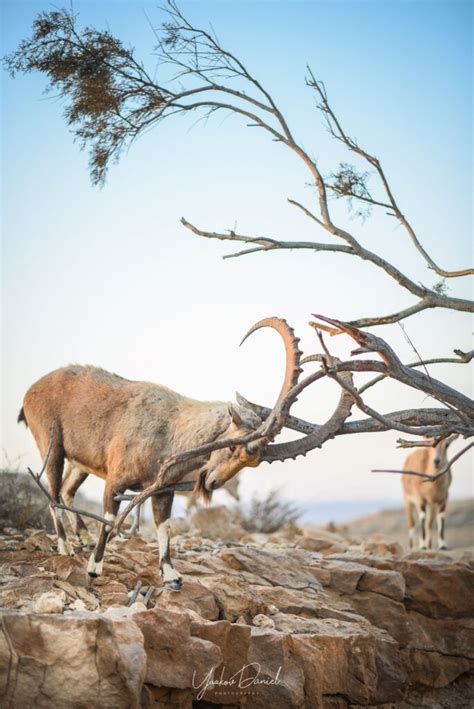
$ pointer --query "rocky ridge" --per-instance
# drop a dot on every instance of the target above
(291, 619)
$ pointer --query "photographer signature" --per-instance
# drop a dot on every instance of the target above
(237, 680)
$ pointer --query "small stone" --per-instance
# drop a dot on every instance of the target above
(137, 606)
(78, 605)
(263, 621)
(50, 602)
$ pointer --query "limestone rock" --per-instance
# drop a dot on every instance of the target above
(450, 596)
(431, 669)
(193, 596)
(376, 544)
(216, 523)
(345, 659)
(383, 612)
(274, 624)
(173, 655)
(263, 621)
(68, 660)
(388, 583)
(50, 602)
(279, 568)
(78, 605)
(234, 596)
(344, 575)
(69, 568)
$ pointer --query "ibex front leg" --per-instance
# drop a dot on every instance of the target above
(111, 508)
(162, 505)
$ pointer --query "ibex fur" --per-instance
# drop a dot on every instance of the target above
(429, 498)
(120, 430)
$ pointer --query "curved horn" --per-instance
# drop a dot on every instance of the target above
(293, 356)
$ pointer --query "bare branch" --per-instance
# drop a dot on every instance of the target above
(337, 132)
(428, 298)
(263, 243)
(397, 370)
(463, 358)
(414, 417)
(426, 476)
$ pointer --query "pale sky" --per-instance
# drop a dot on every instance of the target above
(109, 276)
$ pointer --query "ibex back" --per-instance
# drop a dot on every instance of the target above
(120, 430)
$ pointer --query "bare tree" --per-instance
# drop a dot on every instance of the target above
(111, 99)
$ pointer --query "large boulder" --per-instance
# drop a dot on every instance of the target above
(64, 661)
(216, 523)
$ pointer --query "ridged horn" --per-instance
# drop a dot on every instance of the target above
(293, 353)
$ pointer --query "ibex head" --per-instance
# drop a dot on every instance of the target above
(224, 463)
(441, 451)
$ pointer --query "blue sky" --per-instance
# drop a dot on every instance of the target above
(109, 277)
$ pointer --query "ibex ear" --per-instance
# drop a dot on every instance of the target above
(451, 439)
(234, 414)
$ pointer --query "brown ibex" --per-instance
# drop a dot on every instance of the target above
(429, 498)
(120, 430)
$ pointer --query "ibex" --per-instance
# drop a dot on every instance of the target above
(429, 498)
(120, 430)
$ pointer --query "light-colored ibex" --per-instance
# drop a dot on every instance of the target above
(120, 430)
(429, 498)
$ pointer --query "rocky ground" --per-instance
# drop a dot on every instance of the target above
(299, 618)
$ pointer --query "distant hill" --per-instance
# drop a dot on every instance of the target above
(392, 524)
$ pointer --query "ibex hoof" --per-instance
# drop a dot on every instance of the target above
(94, 568)
(175, 585)
(64, 548)
(85, 539)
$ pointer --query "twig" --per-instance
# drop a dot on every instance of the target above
(148, 595)
(62, 506)
(135, 593)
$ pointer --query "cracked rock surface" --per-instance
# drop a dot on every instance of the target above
(292, 619)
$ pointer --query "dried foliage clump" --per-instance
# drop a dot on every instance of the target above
(266, 514)
(106, 91)
(348, 182)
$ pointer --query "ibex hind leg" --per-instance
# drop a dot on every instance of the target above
(421, 508)
(441, 519)
(431, 514)
(162, 505)
(411, 522)
(54, 474)
(73, 479)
